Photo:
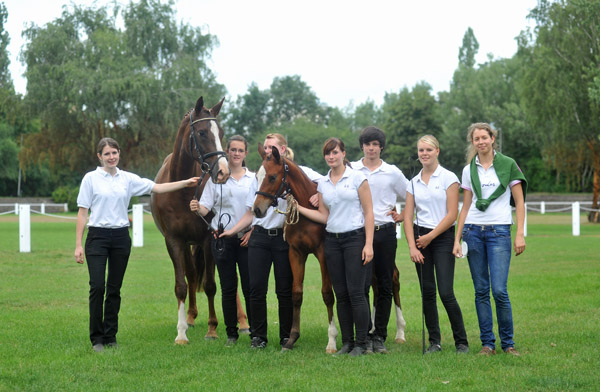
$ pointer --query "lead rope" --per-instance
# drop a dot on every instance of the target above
(292, 215)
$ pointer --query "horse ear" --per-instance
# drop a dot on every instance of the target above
(261, 151)
(199, 105)
(275, 153)
(217, 108)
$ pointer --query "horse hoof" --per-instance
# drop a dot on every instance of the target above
(284, 349)
(207, 337)
(182, 341)
(400, 340)
(244, 331)
(331, 351)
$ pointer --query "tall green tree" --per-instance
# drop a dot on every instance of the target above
(407, 115)
(560, 86)
(88, 79)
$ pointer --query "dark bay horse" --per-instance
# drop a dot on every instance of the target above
(304, 237)
(197, 151)
(281, 177)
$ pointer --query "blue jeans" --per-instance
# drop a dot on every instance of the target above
(489, 261)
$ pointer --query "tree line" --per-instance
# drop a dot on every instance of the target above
(88, 78)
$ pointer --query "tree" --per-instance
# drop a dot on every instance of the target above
(560, 86)
(88, 79)
(408, 115)
(5, 79)
(248, 115)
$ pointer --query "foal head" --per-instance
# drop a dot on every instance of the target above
(272, 181)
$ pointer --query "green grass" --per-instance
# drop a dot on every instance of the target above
(44, 346)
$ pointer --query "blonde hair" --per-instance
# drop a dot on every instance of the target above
(471, 150)
(289, 153)
(431, 140)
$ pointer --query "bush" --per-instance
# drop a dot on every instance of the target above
(66, 194)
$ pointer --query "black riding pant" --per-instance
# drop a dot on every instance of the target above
(227, 252)
(267, 247)
(343, 254)
(102, 246)
(439, 266)
(384, 261)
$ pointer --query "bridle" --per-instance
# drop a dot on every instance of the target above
(201, 158)
(284, 187)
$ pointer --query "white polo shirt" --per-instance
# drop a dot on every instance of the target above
(273, 219)
(108, 196)
(388, 186)
(226, 198)
(312, 174)
(499, 211)
(342, 201)
(430, 199)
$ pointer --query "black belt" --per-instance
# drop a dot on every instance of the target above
(385, 226)
(346, 234)
(271, 232)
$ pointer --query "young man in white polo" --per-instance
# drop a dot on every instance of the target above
(388, 186)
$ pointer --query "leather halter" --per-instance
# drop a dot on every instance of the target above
(284, 187)
(201, 158)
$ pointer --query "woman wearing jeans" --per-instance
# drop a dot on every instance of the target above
(492, 182)
(434, 192)
(345, 206)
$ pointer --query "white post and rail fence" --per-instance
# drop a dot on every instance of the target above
(24, 212)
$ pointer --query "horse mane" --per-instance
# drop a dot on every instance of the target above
(302, 188)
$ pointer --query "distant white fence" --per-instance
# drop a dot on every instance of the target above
(24, 211)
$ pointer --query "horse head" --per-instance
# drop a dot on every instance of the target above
(272, 181)
(205, 137)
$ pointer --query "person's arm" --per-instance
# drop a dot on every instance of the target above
(467, 200)
(366, 201)
(198, 208)
(82, 217)
(447, 221)
(517, 194)
(244, 222)
(409, 210)
(320, 215)
(173, 186)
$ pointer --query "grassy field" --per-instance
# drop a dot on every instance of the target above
(44, 346)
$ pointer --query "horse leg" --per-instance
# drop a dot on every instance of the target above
(329, 300)
(400, 323)
(177, 254)
(298, 264)
(210, 289)
(191, 273)
(244, 328)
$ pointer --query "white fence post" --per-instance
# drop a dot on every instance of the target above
(24, 228)
(576, 219)
(43, 208)
(138, 225)
(525, 226)
(16, 208)
(66, 207)
(542, 207)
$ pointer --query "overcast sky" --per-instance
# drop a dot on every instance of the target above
(346, 51)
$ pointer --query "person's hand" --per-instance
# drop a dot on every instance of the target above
(519, 244)
(227, 233)
(416, 256)
(245, 238)
(79, 254)
(194, 205)
(367, 254)
(314, 200)
(423, 241)
(395, 216)
(457, 250)
(190, 182)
